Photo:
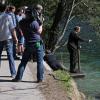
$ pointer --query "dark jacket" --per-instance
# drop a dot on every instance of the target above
(52, 61)
(73, 40)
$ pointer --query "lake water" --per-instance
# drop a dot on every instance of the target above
(90, 61)
(90, 65)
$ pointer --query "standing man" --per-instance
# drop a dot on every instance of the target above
(32, 30)
(7, 34)
(11, 12)
(73, 46)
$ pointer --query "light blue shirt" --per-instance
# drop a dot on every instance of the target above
(13, 18)
(6, 25)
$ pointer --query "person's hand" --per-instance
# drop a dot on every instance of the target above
(20, 48)
(80, 46)
(90, 40)
(16, 41)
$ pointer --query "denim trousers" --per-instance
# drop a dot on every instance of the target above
(29, 50)
(9, 48)
(14, 49)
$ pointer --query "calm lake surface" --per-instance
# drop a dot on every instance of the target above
(90, 66)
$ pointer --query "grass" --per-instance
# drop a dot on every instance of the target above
(64, 79)
(65, 82)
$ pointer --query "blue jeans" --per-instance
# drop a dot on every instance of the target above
(25, 58)
(14, 50)
(9, 48)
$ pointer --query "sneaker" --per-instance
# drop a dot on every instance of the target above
(17, 58)
(16, 80)
(39, 81)
(73, 71)
(13, 76)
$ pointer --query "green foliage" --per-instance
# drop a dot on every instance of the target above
(64, 78)
(87, 10)
(94, 15)
(94, 12)
(49, 11)
(19, 3)
(48, 5)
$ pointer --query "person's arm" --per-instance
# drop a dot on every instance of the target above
(82, 40)
(78, 37)
(40, 29)
(14, 35)
(36, 27)
(21, 36)
(12, 29)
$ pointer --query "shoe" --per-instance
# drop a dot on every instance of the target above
(13, 76)
(16, 80)
(19, 53)
(39, 81)
(17, 58)
(73, 71)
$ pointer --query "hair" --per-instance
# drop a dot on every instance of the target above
(11, 8)
(38, 7)
(18, 11)
(28, 11)
(2, 7)
(76, 28)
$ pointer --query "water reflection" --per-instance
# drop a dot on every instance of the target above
(90, 64)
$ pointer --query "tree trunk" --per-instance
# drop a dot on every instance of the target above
(59, 23)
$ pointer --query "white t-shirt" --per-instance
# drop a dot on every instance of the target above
(6, 25)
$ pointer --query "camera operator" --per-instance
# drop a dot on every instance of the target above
(32, 29)
(37, 13)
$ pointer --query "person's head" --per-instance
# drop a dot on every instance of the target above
(39, 8)
(28, 12)
(77, 29)
(19, 11)
(2, 7)
(12, 9)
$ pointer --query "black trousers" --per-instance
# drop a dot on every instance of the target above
(73, 58)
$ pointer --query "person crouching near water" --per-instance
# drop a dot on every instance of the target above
(73, 46)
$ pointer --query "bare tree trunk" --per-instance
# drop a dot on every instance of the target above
(61, 20)
(69, 18)
(53, 31)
